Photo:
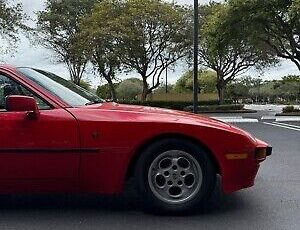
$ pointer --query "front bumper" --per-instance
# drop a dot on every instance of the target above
(241, 174)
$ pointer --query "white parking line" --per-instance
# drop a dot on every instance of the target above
(293, 126)
(288, 118)
(283, 126)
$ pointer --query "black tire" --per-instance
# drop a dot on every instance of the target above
(155, 205)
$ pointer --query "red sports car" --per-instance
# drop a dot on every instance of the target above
(56, 137)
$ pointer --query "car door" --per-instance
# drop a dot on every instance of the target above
(39, 150)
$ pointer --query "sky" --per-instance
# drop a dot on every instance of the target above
(39, 57)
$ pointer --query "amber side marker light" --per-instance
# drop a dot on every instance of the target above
(236, 156)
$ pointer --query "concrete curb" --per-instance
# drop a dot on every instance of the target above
(230, 111)
(287, 114)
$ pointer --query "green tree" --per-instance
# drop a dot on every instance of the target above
(86, 85)
(230, 55)
(152, 35)
(289, 88)
(237, 90)
(207, 82)
(98, 29)
(130, 89)
(58, 29)
(291, 78)
(162, 88)
(275, 23)
(11, 21)
(103, 91)
(267, 91)
(240, 88)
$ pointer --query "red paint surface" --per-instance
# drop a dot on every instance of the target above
(117, 132)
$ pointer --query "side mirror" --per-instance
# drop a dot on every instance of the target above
(16, 103)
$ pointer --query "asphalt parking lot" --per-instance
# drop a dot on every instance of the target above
(273, 203)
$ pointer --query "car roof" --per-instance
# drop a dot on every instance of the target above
(7, 66)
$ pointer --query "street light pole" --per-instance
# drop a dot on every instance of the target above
(167, 80)
(167, 59)
(196, 44)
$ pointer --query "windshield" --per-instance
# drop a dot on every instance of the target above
(67, 91)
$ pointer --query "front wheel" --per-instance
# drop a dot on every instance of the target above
(174, 176)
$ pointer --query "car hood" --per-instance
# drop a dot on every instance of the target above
(151, 114)
(161, 115)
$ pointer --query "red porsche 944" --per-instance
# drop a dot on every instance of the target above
(56, 137)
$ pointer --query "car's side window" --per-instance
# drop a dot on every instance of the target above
(10, 87)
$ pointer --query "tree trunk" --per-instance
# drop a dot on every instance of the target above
(75, 76)
(75, 79)
(145, 90)
(112, 89)
(221, 90)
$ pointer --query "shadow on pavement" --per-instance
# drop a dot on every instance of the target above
(127, 202)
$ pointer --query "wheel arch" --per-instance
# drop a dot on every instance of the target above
(133, 161)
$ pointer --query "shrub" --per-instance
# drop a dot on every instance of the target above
(290, 109)
(217, 108)
(185, 105)
(129, 89)
(178, 105)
